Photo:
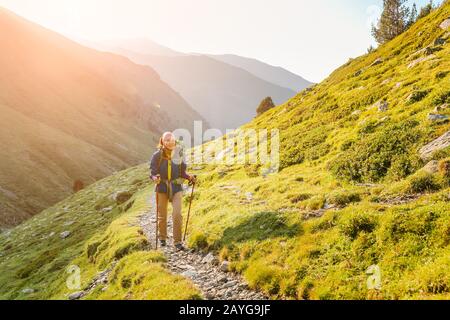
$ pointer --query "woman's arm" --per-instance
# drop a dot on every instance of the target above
(184, 174)
(154, 166)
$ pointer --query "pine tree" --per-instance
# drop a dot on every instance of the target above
(265, 105)
(393, 21)
(412, 16)
(426, 10)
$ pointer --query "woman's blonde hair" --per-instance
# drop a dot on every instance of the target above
(161, 140)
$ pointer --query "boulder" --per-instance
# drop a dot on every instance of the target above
(445, 24)
(65, 234)
(210, 258)
(420, 60)
(432, 167)
(76, 295)
(437, 117)
(230, 284)
(440, 143)
(28, 291)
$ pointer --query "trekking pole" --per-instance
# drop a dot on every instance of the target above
(157, 218)
(189, 212)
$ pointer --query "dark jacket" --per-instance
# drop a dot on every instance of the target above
(159, 166)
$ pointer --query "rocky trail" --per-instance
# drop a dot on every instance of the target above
(213, 279)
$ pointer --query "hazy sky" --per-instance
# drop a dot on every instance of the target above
(310, 38)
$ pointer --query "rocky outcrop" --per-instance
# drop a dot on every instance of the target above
(440, 143)
(420, 60)
(432, 167)
(445, 24)
(437, 117)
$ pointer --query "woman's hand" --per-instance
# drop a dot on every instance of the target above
(156, 179)
(192, 179)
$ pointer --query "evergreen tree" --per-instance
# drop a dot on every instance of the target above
(265, 105)
(426, 10)
(412, 16)
(393, 22)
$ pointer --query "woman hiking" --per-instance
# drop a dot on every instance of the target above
(168, 171)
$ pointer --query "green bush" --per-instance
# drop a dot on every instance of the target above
(444, 167)
(417, 96)
(343, 198)
(300, 197)
(198, 241)
(441, 98)
(315, 203)
(423, 182)
(441, 74)
(404, 165)
(353, 224)
(370, 159)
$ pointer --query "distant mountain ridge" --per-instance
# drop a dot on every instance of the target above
(277, 75)
(226, 93)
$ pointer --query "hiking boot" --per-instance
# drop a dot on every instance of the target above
(163, 243)
(180, 247)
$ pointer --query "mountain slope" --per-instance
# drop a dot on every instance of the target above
(276, 75)
(225, 95)
(71, 113)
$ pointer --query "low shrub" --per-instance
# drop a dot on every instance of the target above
(417, 96)
(441, 97)
(370, 159)
(343, 198)
(353, 224)
(423, 182)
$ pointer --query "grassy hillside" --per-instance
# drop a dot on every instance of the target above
(353, 196)
(72, 113)
(104, 235)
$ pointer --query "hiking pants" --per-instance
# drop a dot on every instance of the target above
(177, 221)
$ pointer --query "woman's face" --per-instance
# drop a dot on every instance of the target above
(169, 142)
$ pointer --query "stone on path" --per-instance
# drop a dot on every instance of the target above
(225, 266)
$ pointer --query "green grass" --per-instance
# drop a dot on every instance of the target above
(326, 258)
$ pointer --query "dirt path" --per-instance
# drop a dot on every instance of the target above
(212, 279)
